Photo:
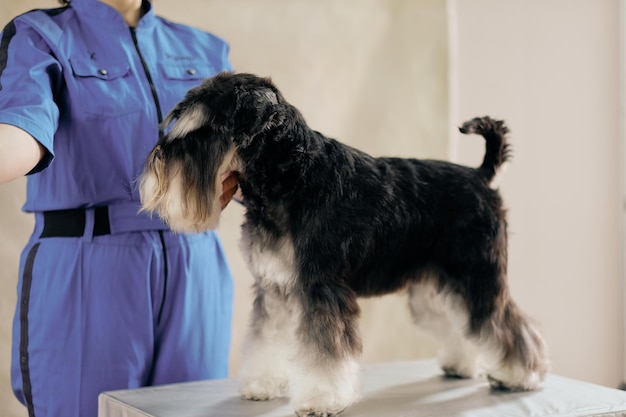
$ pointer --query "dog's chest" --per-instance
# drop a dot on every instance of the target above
(271, 263)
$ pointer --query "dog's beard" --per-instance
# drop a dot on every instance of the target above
(186, 196)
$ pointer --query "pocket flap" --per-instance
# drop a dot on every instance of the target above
(90, 68)
(190, 71)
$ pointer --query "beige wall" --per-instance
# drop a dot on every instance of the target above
(550, 68)
(370, 72)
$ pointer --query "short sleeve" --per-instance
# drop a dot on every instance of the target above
(29, 77)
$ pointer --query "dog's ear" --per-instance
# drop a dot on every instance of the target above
(256, 111)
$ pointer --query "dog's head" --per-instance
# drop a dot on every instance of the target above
(238, 105)
(181, 180)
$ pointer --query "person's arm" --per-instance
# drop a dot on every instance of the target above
(19, 153)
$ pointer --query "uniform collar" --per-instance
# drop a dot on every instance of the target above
(106, 13)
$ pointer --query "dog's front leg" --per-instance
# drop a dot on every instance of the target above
(328, 344)
(267, 347)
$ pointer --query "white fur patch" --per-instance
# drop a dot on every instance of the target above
(515, 378)
(148, 188)
(272, 265)
(265, 369)
(514, 374)
(443, 316)
(171, 208)
(323, 388)
(189, 121)
(269, 95)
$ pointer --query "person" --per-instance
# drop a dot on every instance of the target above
(107, 298)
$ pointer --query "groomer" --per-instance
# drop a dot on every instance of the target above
(107, 298)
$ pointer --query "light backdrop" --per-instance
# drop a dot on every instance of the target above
(372, 73)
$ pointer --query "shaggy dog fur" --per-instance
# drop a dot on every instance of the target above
(326, 223)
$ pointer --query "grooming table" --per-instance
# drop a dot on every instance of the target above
(397, 389)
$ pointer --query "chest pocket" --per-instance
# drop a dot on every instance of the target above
(187, 72)
(179, 79)
(104, 89)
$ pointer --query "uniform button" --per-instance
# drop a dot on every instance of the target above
(191, 71)
(102, 71)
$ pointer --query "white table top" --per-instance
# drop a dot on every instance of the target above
(397, 389)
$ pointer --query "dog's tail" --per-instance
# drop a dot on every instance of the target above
(498, 151)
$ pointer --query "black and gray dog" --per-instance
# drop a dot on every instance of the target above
(326, 223)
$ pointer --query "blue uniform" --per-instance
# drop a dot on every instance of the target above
(107, 298)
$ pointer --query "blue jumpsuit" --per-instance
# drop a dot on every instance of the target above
(107, 298)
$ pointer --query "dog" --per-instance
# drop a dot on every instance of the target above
(326, 223)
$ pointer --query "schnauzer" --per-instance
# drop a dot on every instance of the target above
(326, 223)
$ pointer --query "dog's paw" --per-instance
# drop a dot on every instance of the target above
(460, 363)
(263, 388)
(309, 411)
(459, 373)
(316, 413)
(508, 380)
(462, 370)
(324, 401)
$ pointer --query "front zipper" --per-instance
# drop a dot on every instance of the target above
(155, 96)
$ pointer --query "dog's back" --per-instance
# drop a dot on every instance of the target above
(377, 222)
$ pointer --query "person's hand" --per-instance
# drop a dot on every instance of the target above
(230, 187)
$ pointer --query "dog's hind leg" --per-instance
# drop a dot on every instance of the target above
(513, 350)
(441, 315)
(267, 348)
(326, 379)
(518, 352)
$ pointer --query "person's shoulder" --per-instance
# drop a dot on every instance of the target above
(48, 22)
(39, 16)
(192, 32)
